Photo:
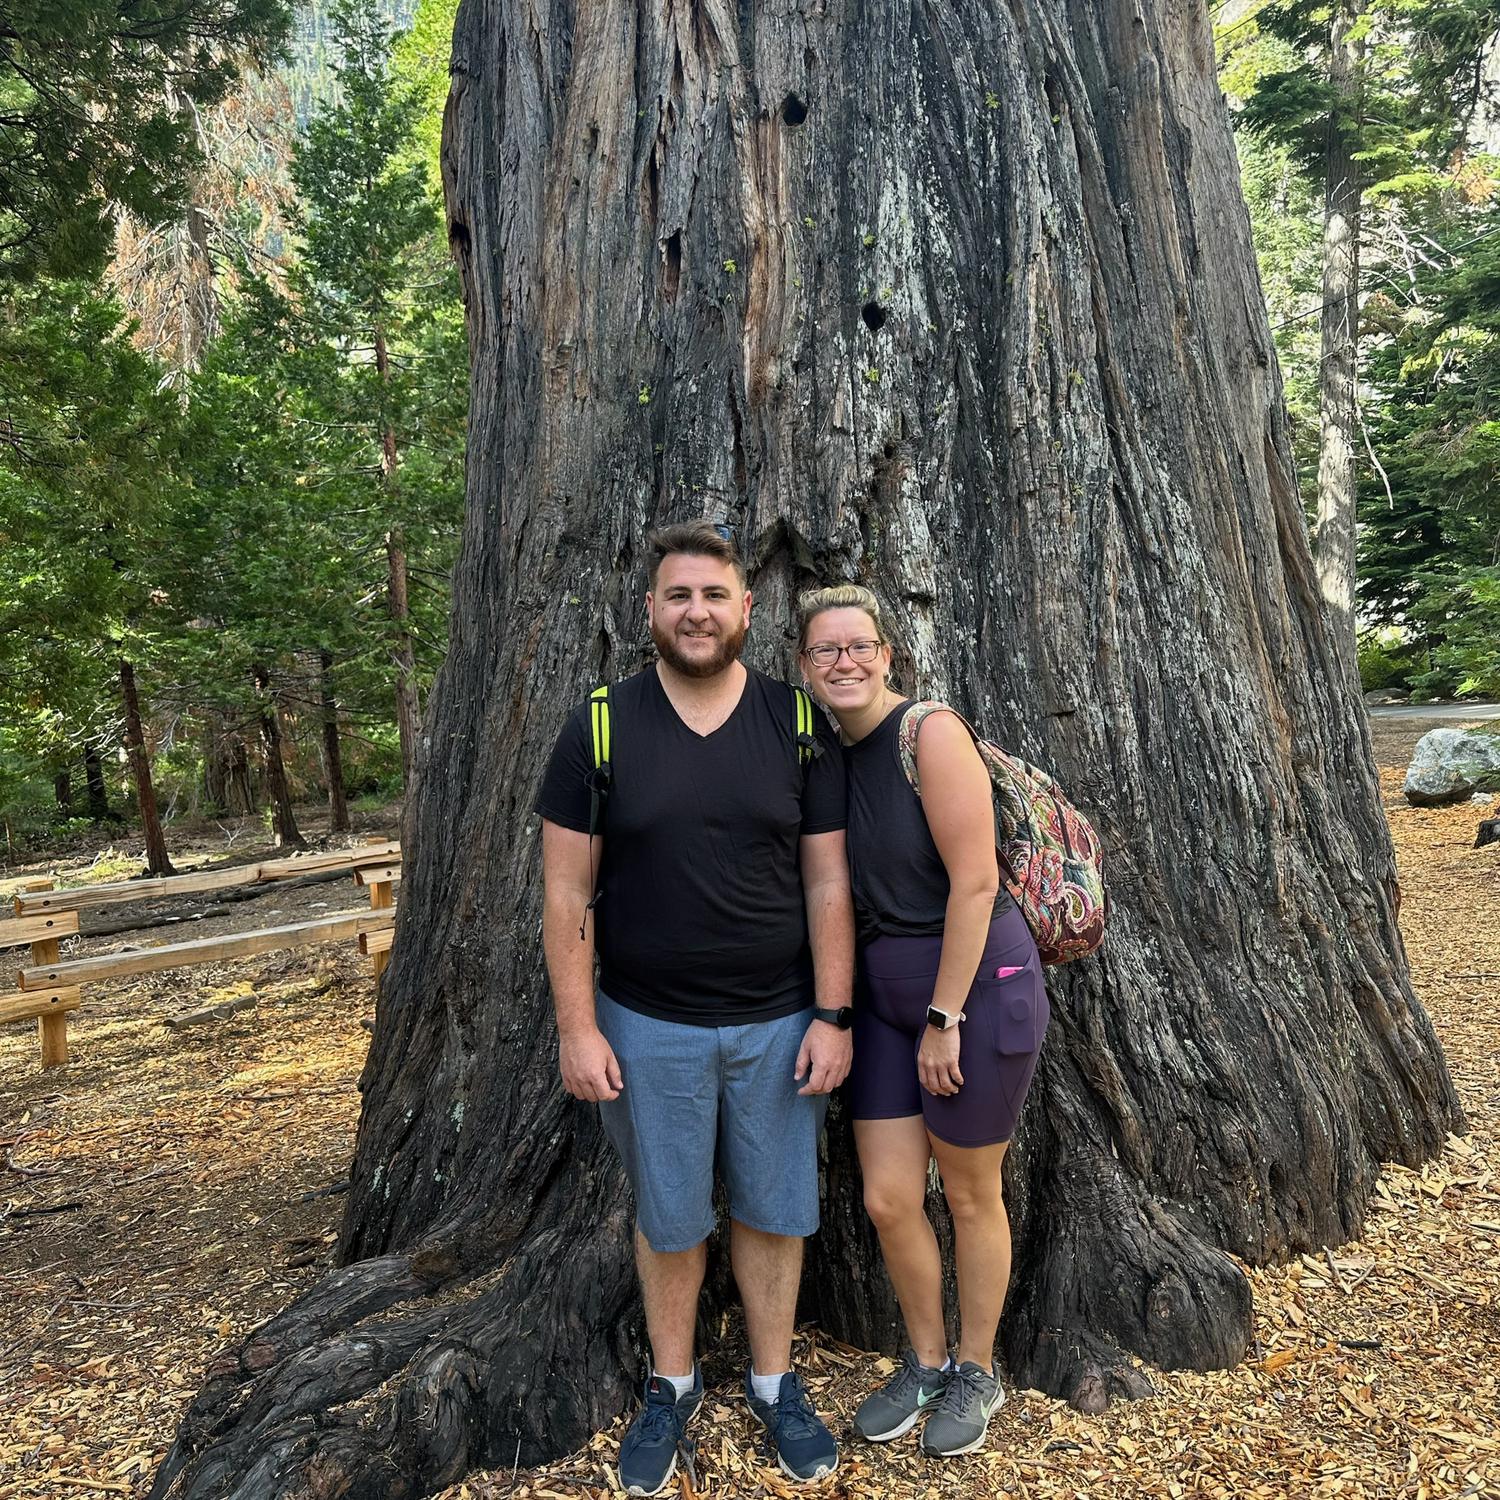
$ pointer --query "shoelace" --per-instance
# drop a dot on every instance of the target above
(963, 1391)
(792, 1417)
(659, 1419)
(907, 1381)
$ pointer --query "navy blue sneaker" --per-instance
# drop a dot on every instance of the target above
(804, 1447)
(648, 1454)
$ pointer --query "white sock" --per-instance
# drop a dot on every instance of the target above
(948, 1367)
(681, 1384)
(766, 1387)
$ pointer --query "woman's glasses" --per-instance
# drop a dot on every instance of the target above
(858, 651)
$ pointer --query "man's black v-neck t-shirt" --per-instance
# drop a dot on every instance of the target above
(700, 916)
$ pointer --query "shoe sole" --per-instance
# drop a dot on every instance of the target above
(900, 1430)
(822, 1471)
(976, 1444)
(635, 1489)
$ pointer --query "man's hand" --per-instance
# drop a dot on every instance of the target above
(824, 1058)
(589, 1069)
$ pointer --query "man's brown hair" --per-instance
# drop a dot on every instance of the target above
(695, 539)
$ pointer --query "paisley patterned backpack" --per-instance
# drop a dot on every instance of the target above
(1050, 857)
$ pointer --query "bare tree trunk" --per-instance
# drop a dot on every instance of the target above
(284, 830)
(408, 716)
(1338, 369)
(333, 758)
(62, 790)
(157, 860)
(959, 300)
(93, 771)
(227, 780)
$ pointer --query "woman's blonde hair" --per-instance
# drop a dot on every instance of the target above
(837, 596)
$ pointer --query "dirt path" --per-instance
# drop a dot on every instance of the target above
(154, 1207)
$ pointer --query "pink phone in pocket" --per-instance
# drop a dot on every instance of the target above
(1006, 973)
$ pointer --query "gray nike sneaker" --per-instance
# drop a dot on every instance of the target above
(958, 1421)
(896, 1407)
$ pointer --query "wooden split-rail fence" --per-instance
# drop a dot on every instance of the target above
(50, 986)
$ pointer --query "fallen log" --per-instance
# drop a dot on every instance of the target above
(220, 1012)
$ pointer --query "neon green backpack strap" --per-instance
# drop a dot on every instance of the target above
(599, 781)
(807, 740)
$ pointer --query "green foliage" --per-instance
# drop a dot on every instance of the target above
(421, 58)
(1430, 298)
(1429, 546)
(97, 104)
(237, 514)
(1388, 660)
(1410, 100)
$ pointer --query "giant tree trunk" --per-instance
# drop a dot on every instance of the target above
(958, 300)
(1338, 367)
(284, 831)
(157, 860)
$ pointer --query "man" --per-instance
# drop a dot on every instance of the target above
(717, 896)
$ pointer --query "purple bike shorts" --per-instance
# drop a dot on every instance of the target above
(999, 1042)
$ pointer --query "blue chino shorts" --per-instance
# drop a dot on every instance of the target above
(696, 1097)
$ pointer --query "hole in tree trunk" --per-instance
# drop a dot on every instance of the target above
(671, 265)
(793, 110)
(874, 315)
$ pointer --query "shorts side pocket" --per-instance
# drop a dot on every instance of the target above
(1012, 1011)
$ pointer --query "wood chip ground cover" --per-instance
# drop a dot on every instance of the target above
(167, 1191)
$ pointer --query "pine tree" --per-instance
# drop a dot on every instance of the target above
(97, 115)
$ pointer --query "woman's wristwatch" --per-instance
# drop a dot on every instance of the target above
(941, 1020)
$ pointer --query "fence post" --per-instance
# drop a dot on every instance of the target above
(381, 897)
(51, 1030)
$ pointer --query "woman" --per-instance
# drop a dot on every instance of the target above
(948, 1021)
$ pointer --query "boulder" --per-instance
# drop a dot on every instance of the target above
(1387, 695)
(1450, 765)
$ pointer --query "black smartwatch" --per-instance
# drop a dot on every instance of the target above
(841, 1016)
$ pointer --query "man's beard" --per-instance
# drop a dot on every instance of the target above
(728, 651)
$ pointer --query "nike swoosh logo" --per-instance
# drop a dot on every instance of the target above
(923, 1397)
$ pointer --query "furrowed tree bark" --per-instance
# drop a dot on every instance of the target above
(960, 301)
(333, 758)
(1338, 367)
(284, 831)
(158, 862)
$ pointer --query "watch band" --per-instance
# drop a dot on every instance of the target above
(941, 1020)
(841, 1016)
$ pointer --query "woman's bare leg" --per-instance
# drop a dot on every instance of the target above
(981, 1234)
(893, 1156)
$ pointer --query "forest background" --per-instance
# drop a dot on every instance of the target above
(233, 380)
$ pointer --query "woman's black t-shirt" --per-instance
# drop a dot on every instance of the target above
(701, 917)
(899, 880)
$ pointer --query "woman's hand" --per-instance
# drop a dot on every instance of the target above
(937, 1061)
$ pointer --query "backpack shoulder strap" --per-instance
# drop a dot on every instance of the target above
(803, 733)
(600, 778)
(911, 725)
